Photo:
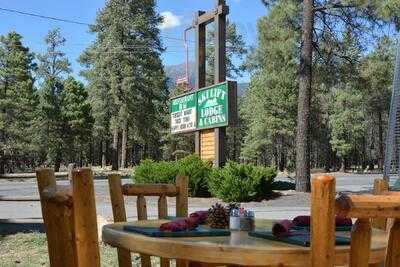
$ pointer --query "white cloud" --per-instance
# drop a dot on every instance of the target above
(170, 20)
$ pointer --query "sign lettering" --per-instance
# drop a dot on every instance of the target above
(204, 109)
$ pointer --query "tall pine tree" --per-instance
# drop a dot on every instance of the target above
(17, 102)
(51, 125)
(268, 109)
(124, 64)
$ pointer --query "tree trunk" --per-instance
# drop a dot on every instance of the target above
(123, 145)
(2, 164)
(303, 110)
(91, 153)
(57, 162)
(380, 144)
(115, 151)
(343, 166)
(103, 154)
(3, 160)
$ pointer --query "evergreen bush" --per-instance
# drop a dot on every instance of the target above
(198, 172)
(149, 172)
(241, 182)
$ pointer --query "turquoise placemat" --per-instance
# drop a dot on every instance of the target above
(198, 232)
(337, 228)
(301, 238)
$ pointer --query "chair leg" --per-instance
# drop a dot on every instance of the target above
(393, 248)
(164, 262)
(145, 260)
(182, 263)
(124, 258)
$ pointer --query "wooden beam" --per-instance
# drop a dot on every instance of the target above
(61, 194)
(200, 53)
(220, 76)
(232, 104)
(368, 206)
(209, 16)
(168, 190)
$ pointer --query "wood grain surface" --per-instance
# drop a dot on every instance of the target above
(237, 249)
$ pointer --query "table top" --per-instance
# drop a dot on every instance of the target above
(239, 248)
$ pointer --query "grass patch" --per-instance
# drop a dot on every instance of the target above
(30, 250)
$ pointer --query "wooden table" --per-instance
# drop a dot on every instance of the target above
(237, 249)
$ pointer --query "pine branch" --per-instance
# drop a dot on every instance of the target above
(333, 6)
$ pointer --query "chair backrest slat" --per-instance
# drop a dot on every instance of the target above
(118, 191)
(169, 190)
(162, 207)
(69, 215)
(117, 198)
(182, 197)
(141, 208)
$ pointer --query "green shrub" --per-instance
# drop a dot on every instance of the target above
(150, 172)
(198, 172)
(241, 182)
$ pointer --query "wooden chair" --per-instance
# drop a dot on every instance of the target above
(69, 214)
(364, 208)
(381, 187)
(117, 193)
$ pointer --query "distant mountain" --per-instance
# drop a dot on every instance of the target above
(175, 72)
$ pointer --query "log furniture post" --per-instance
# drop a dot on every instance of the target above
(119, 214)
(117, 193)
(323, 221)
(361, 207)
(69, 215)
(380, 186)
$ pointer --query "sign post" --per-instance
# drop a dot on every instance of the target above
(203, 18)
(215, 105)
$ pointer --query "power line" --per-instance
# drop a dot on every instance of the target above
(71, 21)
(44, 17)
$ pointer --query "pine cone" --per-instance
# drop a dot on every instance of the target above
(218, 217)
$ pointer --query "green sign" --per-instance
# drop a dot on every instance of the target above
(183, 114)
(212, 107)
(204, 109)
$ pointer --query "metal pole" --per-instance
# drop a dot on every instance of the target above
(392, 149)
(200, 66)
(186, 56)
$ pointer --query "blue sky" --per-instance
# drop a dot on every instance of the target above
(178, 14)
